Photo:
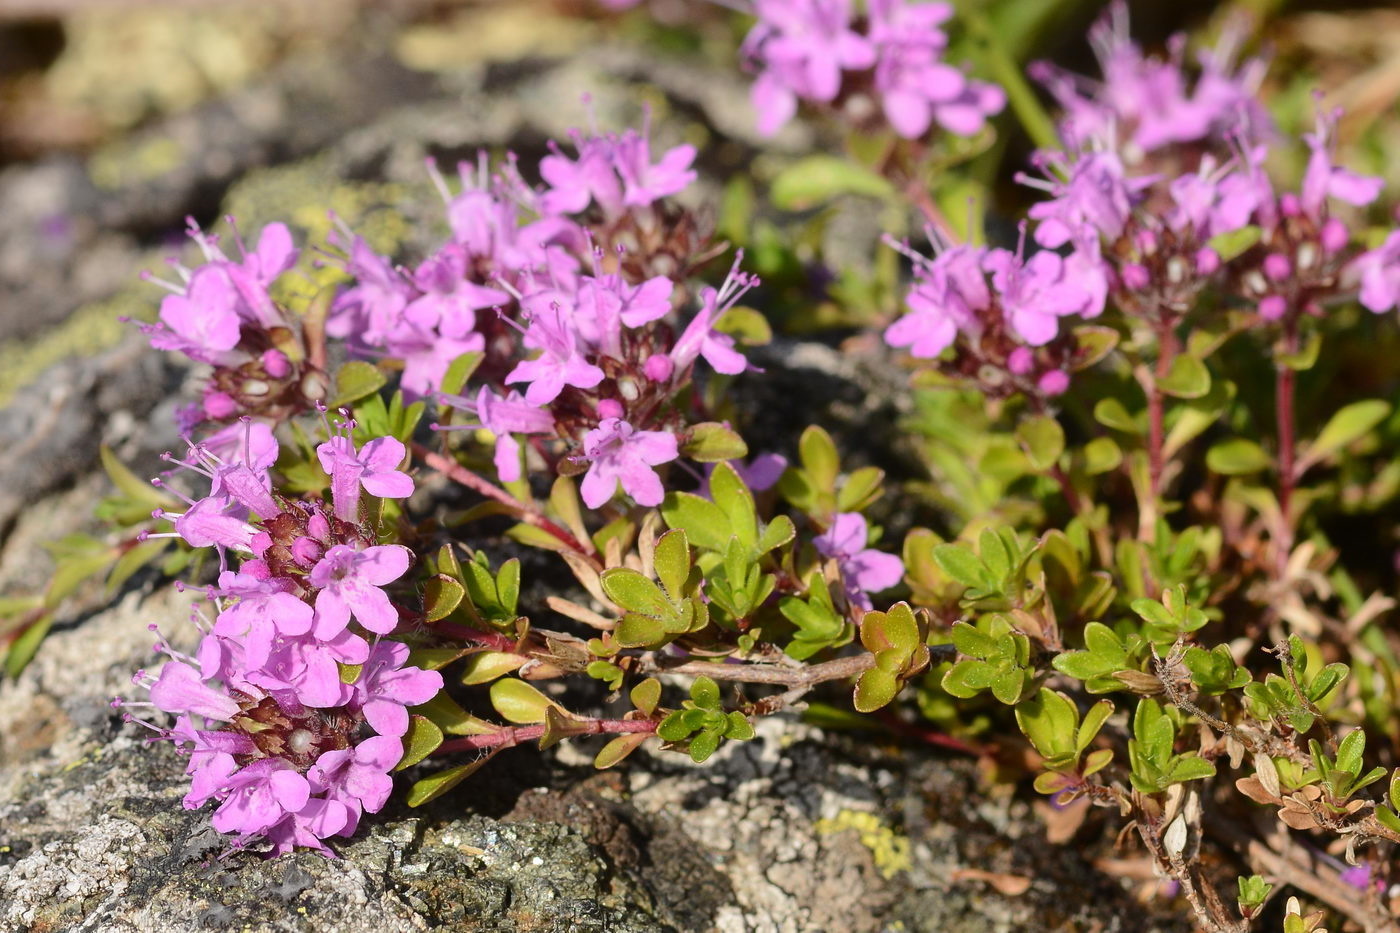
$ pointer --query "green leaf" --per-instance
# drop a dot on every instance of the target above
(435, 785)
(460, 370)
(712, 442)
(966, 679)
(1187, 378)
(421, 740)
(638, 631)
(24, 647)
(674, 727)
(820, 460)
(618, 749)
(1189, 768)
(1350, 750)
(705, 523)
(133, 560)
(1232, 244)
(1049, 720)
(777, 533)
(441, 595)
(731, 494)
(962, 565)
(739, 728)
(971, 641)
(1111, 413)
(1236, 457)
(646, 695)
(874, 689)
(132, 486)
(630, 590)
(705, 693)
(448, 715)
(1042, 439)
(1101, 455)
(860, 489)
(1008, 686)
(814, 180)
(672, 562)
(703, 746)
(746, 325)
(1092, 343)
(1345, 427)
(355, 380)
(482, 667)
(519, 702)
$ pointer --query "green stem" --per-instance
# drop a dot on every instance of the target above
(1007, 72)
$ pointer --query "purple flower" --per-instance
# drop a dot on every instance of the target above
(917, 88)
(1148, 103)
(181, 689)
(950, 292)
(801, 47)
(643, 182)
(305, 670)
(358, 777)
(374, 467)
(574, 184)
(426, 356)
(560, 364)
(1035, 293)
(619, 453)
(258, 796)
(1096, 199)
(1379, 270)
(263, 611)
(1323, 179)
(449, 301)
(863, 570)
(504, 417)
(306, 828)
(274, 255)
(349, 583)
(366, 312)
(699, 339)
(202, 321)
(386, 687)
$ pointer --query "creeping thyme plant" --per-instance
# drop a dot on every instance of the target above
(1146, 574)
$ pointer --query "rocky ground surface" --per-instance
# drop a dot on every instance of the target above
(798, 830)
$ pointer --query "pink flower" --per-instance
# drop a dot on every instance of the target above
(181, 689)
(1379, 270)
(561, 363)
(619, 453)
(258, 796)
(263, 611)
(358, 777)
(699, 339)
(950, 291)
(349, 582)
(373, 467)
(505, 418)
(801, 47)
(386, 687)
(202, 321)
(863, 570)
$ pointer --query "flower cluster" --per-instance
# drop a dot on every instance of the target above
(817, 51)
(1005, 307)
(223, 314)
(1145, 104)
(292, 718)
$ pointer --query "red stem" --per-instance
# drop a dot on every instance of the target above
(1156, 405)
(514, 735)
(527, 514)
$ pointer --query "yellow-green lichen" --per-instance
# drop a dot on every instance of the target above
(889, 849)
